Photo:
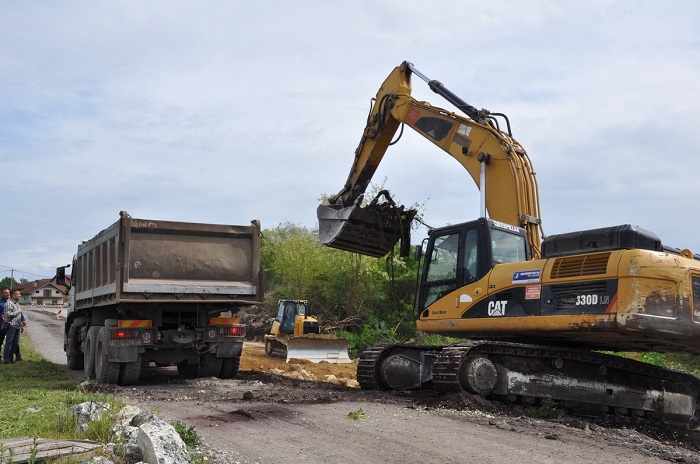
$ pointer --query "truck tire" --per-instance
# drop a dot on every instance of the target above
(129, 372)
(209, 365)
(187, 370)
(75, 360)
(105, 371)
(229, 367)
(89, 354)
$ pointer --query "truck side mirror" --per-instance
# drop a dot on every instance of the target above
(418, 253)
(61, 275)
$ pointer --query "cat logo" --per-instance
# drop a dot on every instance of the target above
(497, 308)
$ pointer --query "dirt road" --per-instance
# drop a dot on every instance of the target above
(263, 417)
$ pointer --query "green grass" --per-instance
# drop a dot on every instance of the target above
(681, 362)
(37, 397)
(188, 433)
(357, 415)
(36, 400)
(547, 410)
(376, 331)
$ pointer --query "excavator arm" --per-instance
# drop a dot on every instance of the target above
(497, 163)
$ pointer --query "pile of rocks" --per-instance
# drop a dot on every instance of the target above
(300, 373)
(257, 319)
(139, 436)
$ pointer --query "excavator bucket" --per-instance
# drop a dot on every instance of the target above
(370, 230)
(319, 348)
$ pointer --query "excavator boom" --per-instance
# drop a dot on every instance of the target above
(497, 163)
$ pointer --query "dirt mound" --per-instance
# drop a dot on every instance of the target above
(255, 359)
(257, 319)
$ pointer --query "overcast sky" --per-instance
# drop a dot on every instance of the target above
(227, 111)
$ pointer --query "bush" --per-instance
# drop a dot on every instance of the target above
(188, 433)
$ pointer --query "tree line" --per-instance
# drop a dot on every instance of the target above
(364, 298)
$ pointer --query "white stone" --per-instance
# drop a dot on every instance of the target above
(161, 444)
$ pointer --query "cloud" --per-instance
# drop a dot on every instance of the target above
(225, 112)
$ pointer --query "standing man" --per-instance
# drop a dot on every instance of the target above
(16, 355)
(3, 301)
(13, 315)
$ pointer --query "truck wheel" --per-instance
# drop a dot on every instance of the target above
(75, 360)
(209, 365)
(105, 371)
(129, 372)
(187, 370)
(89, 354)
(229, 367)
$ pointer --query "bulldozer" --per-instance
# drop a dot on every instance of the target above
(534, 312)
(296, 334)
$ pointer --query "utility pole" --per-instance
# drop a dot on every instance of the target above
(12, 278)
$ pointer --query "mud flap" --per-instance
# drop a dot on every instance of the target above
(122, 353)
(317, 349)
(370, 230)
(228, 350)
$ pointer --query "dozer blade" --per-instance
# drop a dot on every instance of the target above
(316, 349)
(370, 230)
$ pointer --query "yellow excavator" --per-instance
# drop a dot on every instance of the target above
(295, 334)
(534, 313)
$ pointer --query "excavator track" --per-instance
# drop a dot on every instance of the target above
(367, 367)
(396, 367)
(276, 349)
(582, 382)
(446, 368)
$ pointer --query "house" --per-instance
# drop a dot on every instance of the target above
(43, 293)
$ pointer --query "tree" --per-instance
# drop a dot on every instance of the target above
(9, 282)
(341, 286)
(297, 265)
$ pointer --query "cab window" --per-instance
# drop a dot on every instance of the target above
(469, 261)
(443, 260)
(696, 297)
(507, 247)
(441, 275)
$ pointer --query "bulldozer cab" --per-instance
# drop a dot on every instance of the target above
(464, 253)
(287, 312)
(296, 334)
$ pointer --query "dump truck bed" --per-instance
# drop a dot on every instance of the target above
(146, 260)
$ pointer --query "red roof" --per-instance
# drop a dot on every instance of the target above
(31, 287)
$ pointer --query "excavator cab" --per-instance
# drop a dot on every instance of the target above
(461, 254)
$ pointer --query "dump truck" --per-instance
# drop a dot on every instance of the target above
(296, 334)
(148, 291)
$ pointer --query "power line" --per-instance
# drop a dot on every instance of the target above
(27, 273)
